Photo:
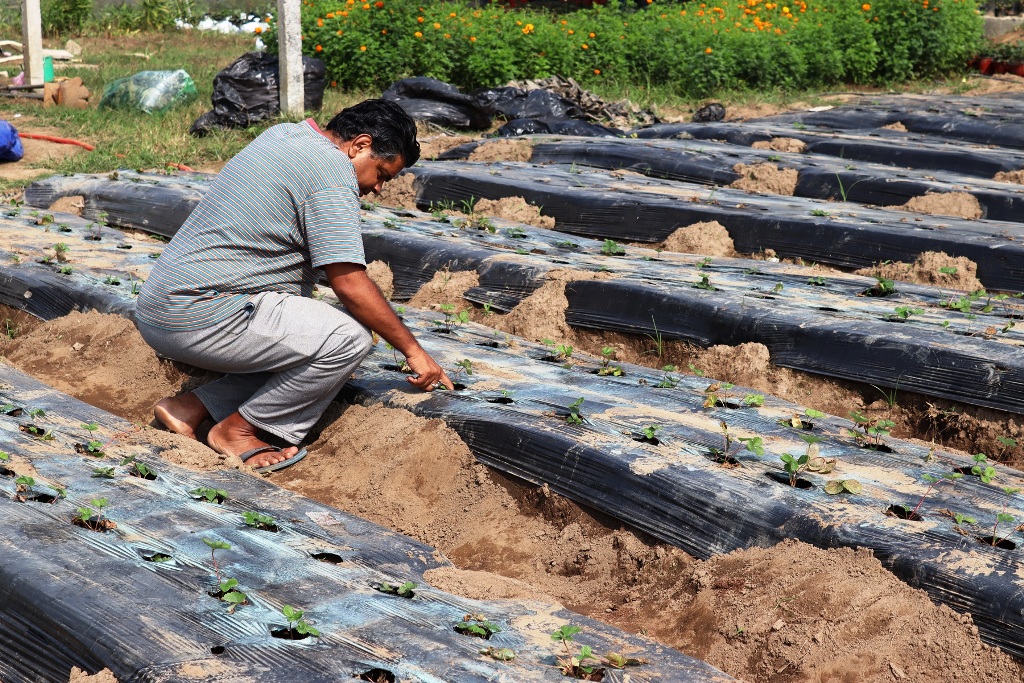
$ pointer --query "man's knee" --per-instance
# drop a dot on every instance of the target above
(351, 344)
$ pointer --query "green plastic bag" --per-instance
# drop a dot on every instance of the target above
(150, 91)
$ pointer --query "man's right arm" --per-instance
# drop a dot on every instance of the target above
(365, 303)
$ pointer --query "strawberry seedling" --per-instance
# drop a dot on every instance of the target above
(139, 469)
(982, 469)
(585, 665)
(210, 495)
(502, 654)
(404, 590)
(259, 521)
(93, 448)
(575, 416)
(214, 546)
(1003, 517)
(227, 592)
(933, 483)
(753, 400)
(611, 248)
(648, 434)
(668, 380)
(92, 519)
(476, 625)
(103, 472)
(837, 486)
(883, 287)
(298, 628)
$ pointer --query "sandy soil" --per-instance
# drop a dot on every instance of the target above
(789, 613)
(1010, 177)
(961, 204)
(381, 274)
(766, 178)
(79, 676)
(926, 270)
(399, 192)
(514, 209)
(709, 238)
(781, 145)
(39, 154)
(503, 149)
(433, 147)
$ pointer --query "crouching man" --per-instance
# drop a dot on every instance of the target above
(232, 291)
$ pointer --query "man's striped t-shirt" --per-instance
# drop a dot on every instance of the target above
(284, 206)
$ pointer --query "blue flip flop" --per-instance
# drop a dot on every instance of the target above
(277, 465)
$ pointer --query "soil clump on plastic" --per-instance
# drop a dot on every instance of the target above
(1016, 177)
(708, 238)
(503, 149)
(898, 126)
(400, 192)
(381, 274)
(79, 676)
(960, 204)
(931, 268)
(514, 209)
(74, 204)
(445, 288)
(433, 147)
(781, 145)
(766, 178)
(511, 539)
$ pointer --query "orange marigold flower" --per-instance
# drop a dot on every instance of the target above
(366, 5)
(708, 50)
(319, 22)
(330, 15)
(571, 32)
(437, 25)
(319, 48)
(419, 20)
(591, 35)
(267, 20)
(418, 34)
(344, 14)
(472, 39)
(362, 48)
(452, 15)
(597, 72)
(865, 7)
(334, 84)
(379, 4)
(383, 31)
(585, 46)
(447, 35)
(259, 29)
(564, 22)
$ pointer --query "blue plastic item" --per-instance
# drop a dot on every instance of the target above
(10, 143)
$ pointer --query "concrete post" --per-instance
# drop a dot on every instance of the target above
(289, 23)
(32, 42)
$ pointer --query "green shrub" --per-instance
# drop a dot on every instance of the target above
(695, 48)
(63, 16)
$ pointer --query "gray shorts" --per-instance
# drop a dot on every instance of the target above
(285, 357)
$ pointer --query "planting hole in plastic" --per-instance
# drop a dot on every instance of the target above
(288, 633)
(716, 457)
(408, 595)
(153, 555)
(491, 344)
(902, 512)
(329, 558)
(35, 497)
(783, 478)
(653, 440)
(731, 405)
(504, 400)
(376, 676)
(14, 412)
(804, 424)
(1001, 543)
(149, 476)
(880, 447)
(829, 309)
(392, 367)
(217, 650)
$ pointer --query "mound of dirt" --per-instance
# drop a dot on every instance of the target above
(781, 145)
(895, 126)
(431, 148)
(381, 274)
(766, 178)
(1010, 177)
(514, 209)
(927, 270)
(542, 314)
(79, 676)
(446, 287)
(400, 192)
(74, 204)
(100, 359)
(960, 204)
(709, 238)
(503, 149)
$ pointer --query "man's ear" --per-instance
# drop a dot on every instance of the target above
(358, 144)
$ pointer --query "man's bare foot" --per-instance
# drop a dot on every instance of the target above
(234, 436)
(181, 414)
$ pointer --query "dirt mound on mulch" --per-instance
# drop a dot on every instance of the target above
(381, 274)
(961, 272)
(709, 238)
(503, 149)
(431, 148)
(542, 314)
(79, 676)
(960, 204)
(895, 126)
(400, 192)
(446, 287)
(514, 209)
(1010, 177)
(766, 178)
(781, 145)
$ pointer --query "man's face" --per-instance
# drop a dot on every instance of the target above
(372, 172)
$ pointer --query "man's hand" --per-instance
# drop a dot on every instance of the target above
(428, 373)
(365, 303)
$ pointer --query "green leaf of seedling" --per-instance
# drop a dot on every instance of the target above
(217, 545)
(502, 654)
(964, 519)
(754, 399)
(234, 597)
(565, 633)
(1010, 490)
(754, 444)
(586, 652)
(811, 438)
(306, 629)
(811, 412)
(1005, 518)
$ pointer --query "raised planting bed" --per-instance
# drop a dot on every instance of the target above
(876, 145)
(637, 209)
(965, 346)
(989, 120)
(818, 177)
(164, 579)
(708, 466)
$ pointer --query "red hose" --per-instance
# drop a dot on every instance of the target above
(180, 167)
(62, 141)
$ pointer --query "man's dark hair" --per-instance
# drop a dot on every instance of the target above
(392, 130)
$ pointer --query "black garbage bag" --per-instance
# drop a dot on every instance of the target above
(516, 103)
(434, 101)
(555, 126)
(709, 113)
(246, 92)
